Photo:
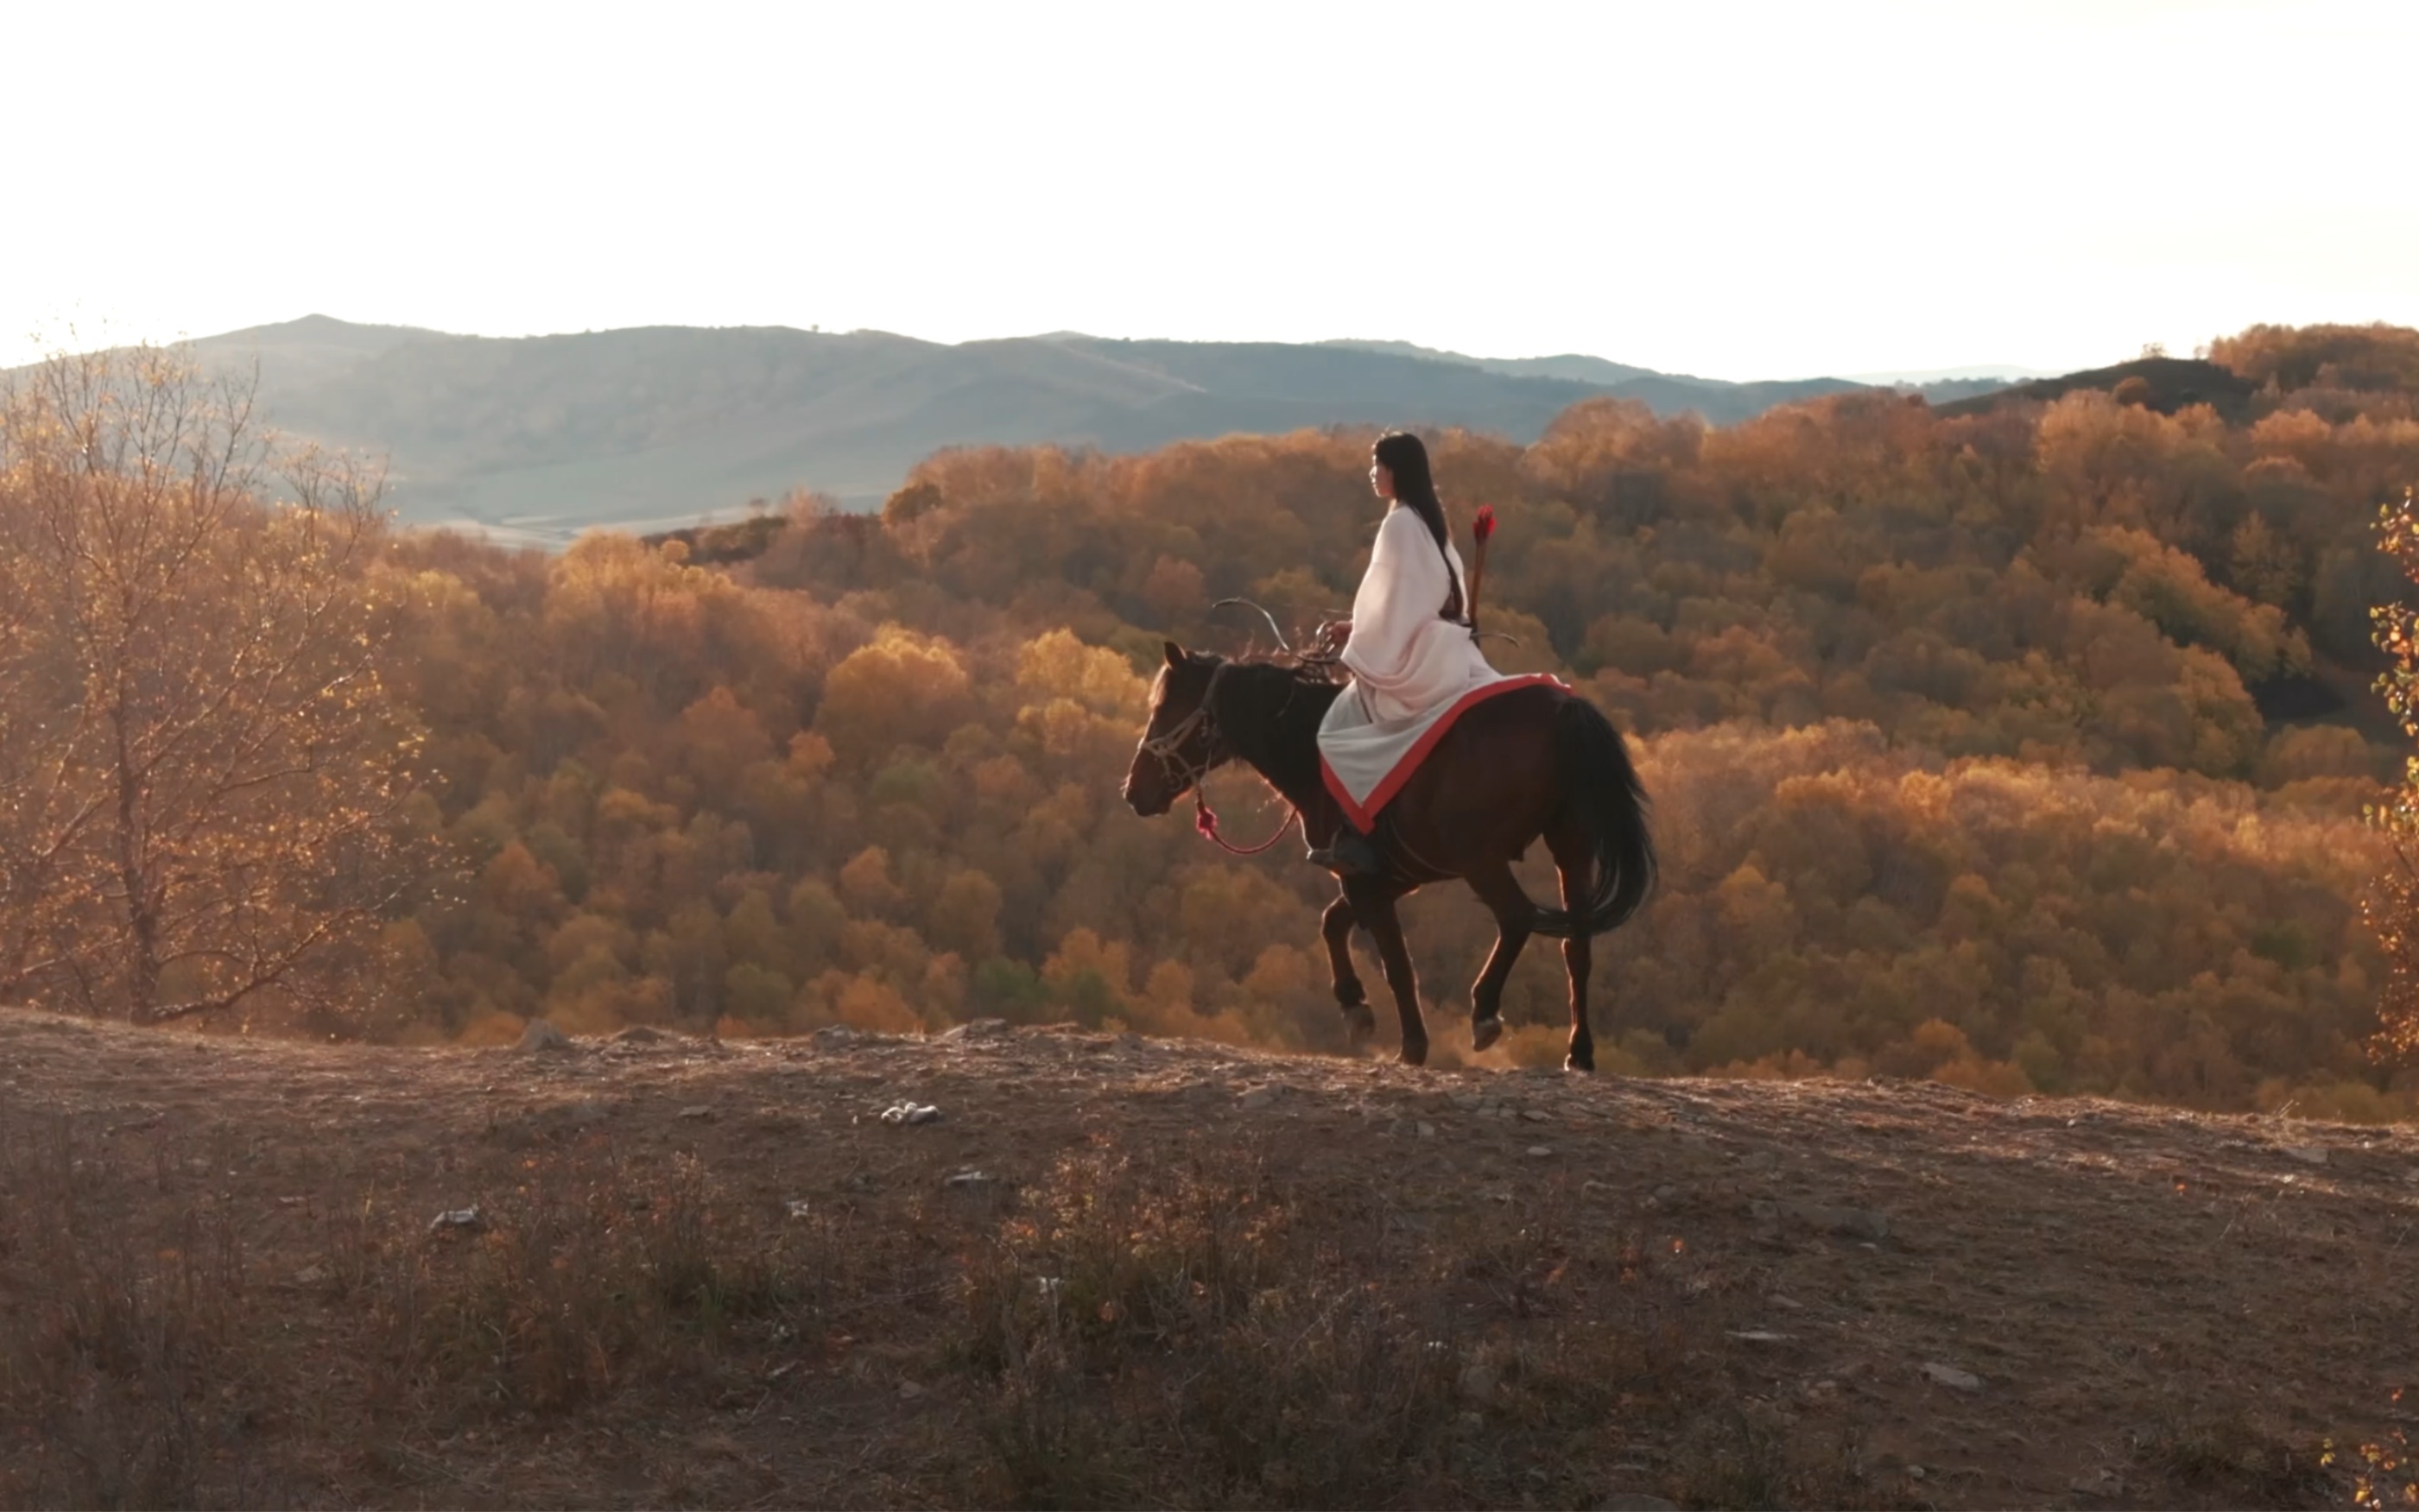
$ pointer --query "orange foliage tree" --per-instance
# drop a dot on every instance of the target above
(201, 771)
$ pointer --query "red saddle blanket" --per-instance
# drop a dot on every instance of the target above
(1364, 764)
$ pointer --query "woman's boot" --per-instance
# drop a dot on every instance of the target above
(1350, 853)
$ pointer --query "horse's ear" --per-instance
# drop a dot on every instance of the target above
(1175, 654)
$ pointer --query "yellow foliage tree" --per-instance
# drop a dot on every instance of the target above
(903, 689)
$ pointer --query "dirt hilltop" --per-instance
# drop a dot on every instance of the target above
(1116, 1270)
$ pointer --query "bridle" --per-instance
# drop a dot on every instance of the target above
(1167, 748)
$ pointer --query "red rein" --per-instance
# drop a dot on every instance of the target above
(1205, 819)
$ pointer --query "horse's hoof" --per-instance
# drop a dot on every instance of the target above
(1415, 1055)
(1580, 1063)
(1360, 1025)
(1485, 1032)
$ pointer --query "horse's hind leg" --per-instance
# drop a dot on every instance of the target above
(1576, 860)
(1336, 928)
(1502, 893)
(1373, 902)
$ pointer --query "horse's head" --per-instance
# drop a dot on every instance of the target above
(1180, 743)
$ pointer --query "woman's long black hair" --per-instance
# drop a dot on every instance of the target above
(1400, 453)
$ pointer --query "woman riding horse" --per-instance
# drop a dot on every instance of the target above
(1407, 645)
(1470, 769)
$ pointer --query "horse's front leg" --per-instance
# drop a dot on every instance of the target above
(1336, 928)
(1373, 902)
(1502, 893)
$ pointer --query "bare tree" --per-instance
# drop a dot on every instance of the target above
(200, 765)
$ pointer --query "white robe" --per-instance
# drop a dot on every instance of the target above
(1411, 668)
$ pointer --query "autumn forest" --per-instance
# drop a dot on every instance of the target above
(2027, 744)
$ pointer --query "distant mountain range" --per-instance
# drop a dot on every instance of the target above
(542, 437)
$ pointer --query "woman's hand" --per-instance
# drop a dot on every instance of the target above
(1330, 636)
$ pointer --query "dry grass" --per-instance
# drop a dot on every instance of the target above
(121, 1364)
(750, 1292)
(1181, 1333)
(1136, 1331)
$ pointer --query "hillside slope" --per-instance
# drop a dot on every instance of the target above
(713, 1274)
(2168, 385)
(539, 438)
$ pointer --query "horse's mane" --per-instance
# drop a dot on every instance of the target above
(1269, 714)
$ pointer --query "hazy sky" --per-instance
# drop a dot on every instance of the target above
(1735, 191)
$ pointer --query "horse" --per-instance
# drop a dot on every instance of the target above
(1528, 763)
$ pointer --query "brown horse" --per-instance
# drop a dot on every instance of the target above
(1533, 762)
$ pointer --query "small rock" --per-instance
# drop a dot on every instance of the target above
(1914, 1473)
(1952, 1377)
(911, 1112)
(837, 1036)
(1760, 1336)
(697, 1113)
(2306, 1154)
(1535, 1115)
(1540, 1151)
(1259, 1097)
(1425, 1129)
(967, 1179)
(1477, 1383)
(977, 1029)
(541, 1038)
(909, 1391)
(1667, 1193)
(458, 1221)
(798, 1208)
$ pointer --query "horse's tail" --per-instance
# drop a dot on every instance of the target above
(1601, 789)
